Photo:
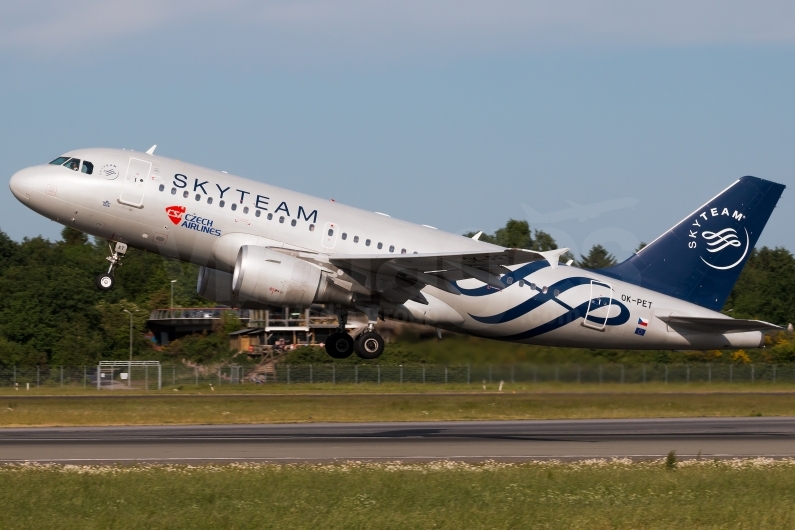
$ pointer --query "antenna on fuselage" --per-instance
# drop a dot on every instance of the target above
(151, 150)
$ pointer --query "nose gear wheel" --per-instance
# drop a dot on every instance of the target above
(105, 281)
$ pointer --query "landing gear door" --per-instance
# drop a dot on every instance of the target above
(132, 192)
(330, 235)
(599, 305)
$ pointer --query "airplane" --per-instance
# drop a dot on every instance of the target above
(258, 245)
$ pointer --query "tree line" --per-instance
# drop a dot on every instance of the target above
(51, 312)
(517, 234)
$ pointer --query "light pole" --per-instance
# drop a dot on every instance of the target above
(129, 366)
(172, 297)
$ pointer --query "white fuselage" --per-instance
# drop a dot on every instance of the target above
(186, 212)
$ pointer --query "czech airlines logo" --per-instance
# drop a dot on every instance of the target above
(723, 245)
(175, 213)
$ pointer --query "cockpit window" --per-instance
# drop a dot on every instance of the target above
(88, 167)
(73, 164)
(59, 161)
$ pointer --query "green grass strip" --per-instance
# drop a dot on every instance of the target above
(128, 410)
(746, 493)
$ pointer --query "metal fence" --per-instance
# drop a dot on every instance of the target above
(144, 378)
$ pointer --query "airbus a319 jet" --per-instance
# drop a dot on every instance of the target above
(258, 245)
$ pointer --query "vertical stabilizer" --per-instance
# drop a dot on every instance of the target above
(699, 259)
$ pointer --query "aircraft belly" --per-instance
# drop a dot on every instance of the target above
(99, 223)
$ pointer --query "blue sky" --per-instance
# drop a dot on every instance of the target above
(453, 114)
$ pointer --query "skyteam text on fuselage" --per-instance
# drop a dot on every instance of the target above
(259, 245)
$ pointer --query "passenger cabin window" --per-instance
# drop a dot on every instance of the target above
(293, 222)
(257, 213)
(221, 204)
(234, 206)
(209, 200)
(402, 250)
(161, 188)
(88, 168)
(245, 209)
(380, 246)
(270, 216)
(344, 236)
(331, 231)
(367, 243)
(391, 248)
(185, 194)
(59, 161)
(355, 239)
(311, 228)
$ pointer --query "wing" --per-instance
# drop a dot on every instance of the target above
(403, 275)
(717, 325)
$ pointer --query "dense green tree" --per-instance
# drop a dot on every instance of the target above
(52, 312)
(766, 287)
(517, 234)
(598, 258)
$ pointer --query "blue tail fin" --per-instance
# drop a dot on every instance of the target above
(699, 259)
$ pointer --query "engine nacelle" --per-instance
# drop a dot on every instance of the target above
(266, 277)
(215, 285)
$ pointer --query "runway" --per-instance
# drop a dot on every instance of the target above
(420, 441)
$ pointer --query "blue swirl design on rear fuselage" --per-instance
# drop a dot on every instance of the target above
(571, 314)
(506, 279)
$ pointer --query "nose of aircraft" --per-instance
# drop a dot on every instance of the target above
(20, 184)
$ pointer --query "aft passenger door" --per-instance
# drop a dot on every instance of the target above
(134, 186)
(599, 305)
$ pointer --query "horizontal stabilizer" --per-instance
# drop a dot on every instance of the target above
(717, 325)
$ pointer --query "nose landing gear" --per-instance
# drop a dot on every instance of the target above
(105, 280)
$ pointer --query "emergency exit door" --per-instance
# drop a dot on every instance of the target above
(599, 304)
(132, 192)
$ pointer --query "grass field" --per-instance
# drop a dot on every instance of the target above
(350, 406)
(588, 495)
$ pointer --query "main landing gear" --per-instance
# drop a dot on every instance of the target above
(367, 345)
(105, 280)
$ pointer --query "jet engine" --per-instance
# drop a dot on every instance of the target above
(266, 277)
(215, 285)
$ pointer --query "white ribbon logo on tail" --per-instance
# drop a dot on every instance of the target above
(718, 241)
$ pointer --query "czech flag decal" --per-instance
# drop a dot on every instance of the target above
(643, 324)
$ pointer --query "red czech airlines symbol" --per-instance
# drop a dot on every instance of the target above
(175, 213)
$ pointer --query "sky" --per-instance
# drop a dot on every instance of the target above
(456, 114)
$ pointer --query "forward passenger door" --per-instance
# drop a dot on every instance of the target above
(134, 186)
